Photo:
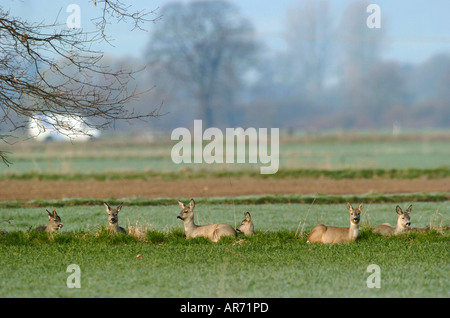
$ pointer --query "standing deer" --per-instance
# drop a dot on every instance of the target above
(403, 223)
(113, 219)
(54, 222)
(332, 234)
(246, 226)
(213, 232)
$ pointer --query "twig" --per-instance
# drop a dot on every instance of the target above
(301, 233)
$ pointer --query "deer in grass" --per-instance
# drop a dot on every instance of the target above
(213, 232)
(403, 223)
(113, 219)
(246, 225)
(440, 229)
(54, 222)
(332, 234)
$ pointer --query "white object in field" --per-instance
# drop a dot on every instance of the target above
(70, 128)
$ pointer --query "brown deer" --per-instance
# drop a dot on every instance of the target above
(54, 222)
(332, 234)
(213, 232)
(440, 229)
(403, 223)
(113, 219)
(246, 226)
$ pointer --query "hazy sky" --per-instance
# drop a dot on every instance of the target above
(416, 29)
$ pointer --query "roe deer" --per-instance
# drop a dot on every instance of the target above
(332, 234)
(440, 229)
(403, 223)
(54, 222)
(213, 232)
(246, 226)
(113, 219)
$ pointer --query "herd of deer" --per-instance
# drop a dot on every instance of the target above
(214, 232)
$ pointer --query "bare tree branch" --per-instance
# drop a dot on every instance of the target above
(50, 70)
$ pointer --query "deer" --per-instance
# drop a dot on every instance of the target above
(54, 222)
(403, 223)
(332, 234)
(213, 232)
(440, 229)
(246, 225)
(113, 219)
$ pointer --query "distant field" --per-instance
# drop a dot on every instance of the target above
(420, 151)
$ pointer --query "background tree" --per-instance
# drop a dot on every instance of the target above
(50, 70)
(307, 63)
(360, 51)
(309, 39)
(204, 47)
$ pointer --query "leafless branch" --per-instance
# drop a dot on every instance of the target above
(49, 70)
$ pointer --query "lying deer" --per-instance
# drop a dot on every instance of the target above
(54, 222)
(113, 219)
(403, 223)
(440, 229)
(213, 232)
(332, 234)
(246, 226)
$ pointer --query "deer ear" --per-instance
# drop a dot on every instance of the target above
(360, 207)
(349, 207)
(247, 216)
(119, 207)
(54, 213)
(192, 203)
(50, 214)
(107, 207)
(408, 210)
(398, 210)
(181, 204)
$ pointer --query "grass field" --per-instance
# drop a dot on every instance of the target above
(275, 262)
(126, 155)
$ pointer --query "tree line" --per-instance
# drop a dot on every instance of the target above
(208, 63)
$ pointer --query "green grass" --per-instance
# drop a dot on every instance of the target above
(269, 264)
(275, 262)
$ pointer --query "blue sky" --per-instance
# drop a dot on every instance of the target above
(416, 29)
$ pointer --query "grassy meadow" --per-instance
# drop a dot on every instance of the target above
(271, 264)
(155, 260)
